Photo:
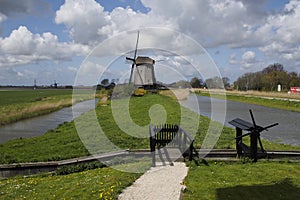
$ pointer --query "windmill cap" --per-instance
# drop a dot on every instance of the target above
(144, 60)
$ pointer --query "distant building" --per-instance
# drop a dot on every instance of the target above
(295, 90)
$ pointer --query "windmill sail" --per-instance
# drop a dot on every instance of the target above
(133, 59)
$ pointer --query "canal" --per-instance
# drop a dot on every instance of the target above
(39, 125)
(286, 132)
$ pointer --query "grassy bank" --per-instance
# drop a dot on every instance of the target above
(237, 180)
(64, 142)
(101, 183)
(258, 99)
(16, 105)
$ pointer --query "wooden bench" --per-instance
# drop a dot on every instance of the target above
(166, 136)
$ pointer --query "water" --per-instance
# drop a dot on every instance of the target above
(41, 124)
(286, 132)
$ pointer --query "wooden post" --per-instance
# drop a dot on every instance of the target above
(191, 148)
(239, 141)
(253, 146)
(184, 147)
(152, 144)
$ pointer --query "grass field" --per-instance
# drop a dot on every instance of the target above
(101, 183)
(263, 99)
(12, 97)
(21, 104)
(236, 180)
(217, 180)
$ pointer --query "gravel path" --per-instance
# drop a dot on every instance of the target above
(161, 182)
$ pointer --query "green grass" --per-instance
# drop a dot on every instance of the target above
(274, 103)
(12, 97)
(101, 183)
(237, 180)
(16, 105)
(64, 142)
(218, 180)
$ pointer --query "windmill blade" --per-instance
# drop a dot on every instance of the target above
(252, 117)
(131, 72)
(131, 59)
(136, 46)
(266, 128)
(260, 143)
(134, 57)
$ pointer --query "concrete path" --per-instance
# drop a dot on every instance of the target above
(159, 183)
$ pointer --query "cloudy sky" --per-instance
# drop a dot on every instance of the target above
(49, 40)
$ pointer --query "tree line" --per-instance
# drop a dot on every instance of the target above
(268, 79)
(212, 83)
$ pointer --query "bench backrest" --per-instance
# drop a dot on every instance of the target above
(165, 134)
(171, 136)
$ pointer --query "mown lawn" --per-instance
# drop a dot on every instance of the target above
(237, 180)
(101, 183)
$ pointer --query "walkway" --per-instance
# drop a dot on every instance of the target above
(159, 183)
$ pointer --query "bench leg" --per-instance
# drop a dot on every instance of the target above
(239, 149)
(168, 157)
(153, 158)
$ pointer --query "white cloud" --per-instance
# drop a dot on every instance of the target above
(283, 33)
(212, 23)
(247, 61)
(249, 57)
(24, 47)
(88, 23)
(83, 18)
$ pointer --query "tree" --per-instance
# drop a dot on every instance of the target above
(196, 82)
(294, 80)
(268, 79)
(273, 67)
(226, 82)
(214, 83)
(105, 81)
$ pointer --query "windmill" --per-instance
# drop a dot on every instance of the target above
(144, 69)
(254, 133)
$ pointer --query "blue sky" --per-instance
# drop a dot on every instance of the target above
(50, 40)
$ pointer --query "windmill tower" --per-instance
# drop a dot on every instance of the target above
(144, 70)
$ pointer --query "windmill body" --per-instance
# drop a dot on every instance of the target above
(144, 72)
